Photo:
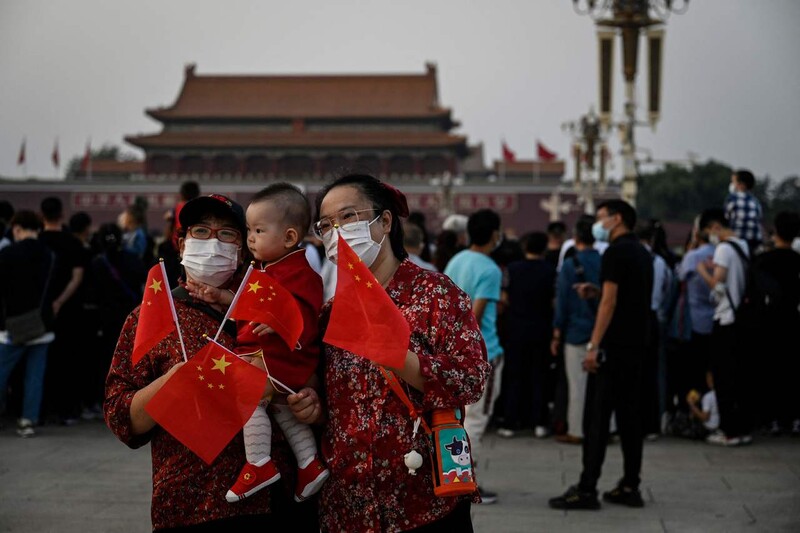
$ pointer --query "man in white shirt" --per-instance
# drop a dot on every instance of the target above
(726, 277)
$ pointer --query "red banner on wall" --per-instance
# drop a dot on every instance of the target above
(465, 202)
(120, 200)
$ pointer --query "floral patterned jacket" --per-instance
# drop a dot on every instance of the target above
(370, 429)
(186, 491)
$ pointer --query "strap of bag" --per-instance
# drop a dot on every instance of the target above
(745, 265)
(395, 385)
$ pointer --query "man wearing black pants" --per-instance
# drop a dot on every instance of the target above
(726, 275)
(615, 359)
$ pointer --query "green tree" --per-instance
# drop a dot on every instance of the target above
(107, 151)
(677, 193)
(785, 196)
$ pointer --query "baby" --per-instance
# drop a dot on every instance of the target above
(277, 220)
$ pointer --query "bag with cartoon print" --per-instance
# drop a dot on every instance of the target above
(453, 473)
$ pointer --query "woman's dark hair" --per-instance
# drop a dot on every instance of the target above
(383, 198)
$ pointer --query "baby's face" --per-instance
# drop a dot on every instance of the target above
(267, 235)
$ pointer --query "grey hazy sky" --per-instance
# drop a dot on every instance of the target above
(514, 70)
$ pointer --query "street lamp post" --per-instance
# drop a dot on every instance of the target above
(588, 141)
(628, 18)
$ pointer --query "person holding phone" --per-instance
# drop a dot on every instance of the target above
(614, 359)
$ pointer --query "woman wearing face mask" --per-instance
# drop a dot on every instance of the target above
(369, 428)
(188, 494)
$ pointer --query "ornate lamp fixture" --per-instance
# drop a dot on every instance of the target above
(628, 19)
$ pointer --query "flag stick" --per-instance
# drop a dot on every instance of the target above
(235, 299)
(172, 308)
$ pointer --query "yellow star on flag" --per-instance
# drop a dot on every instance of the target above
(156, 286)
(201, 378)
(254, 287)
(210, 386)
(369, 284)
(357, 277)
(221, 386)
(220, 364)
(350, 266)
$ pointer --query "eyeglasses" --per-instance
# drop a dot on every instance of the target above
(345, 216)
(203, 233)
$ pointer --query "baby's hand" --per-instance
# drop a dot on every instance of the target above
(261, 329)
(692, 397)
(207, 293)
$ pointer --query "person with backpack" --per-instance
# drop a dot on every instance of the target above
(780, 268)
(726, 276)
(573, 322)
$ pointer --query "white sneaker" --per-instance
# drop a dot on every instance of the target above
(718, 438)
(505, 433)
(25, 428)
(541, 432)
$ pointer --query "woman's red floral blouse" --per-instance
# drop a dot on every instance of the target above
(186, 491)
(370, 429)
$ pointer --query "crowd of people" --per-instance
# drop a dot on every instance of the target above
(584, 334)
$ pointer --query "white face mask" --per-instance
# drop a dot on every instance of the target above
(358, 237)
(731, 188)
(210, 261)
(713, 238)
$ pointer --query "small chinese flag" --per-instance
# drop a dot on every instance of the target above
(156, 314)
(544, 154)
(508, 155)
(208, 400)
(86, 162)
(364, 320)
(263, 300)
(54, 156)
(21, 156)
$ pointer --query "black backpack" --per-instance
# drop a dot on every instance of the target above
(761, 295)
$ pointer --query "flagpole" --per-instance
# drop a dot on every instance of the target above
(172, 307)
(235, 299)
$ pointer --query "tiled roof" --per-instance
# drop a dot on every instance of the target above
(305, 96)
(233, 139)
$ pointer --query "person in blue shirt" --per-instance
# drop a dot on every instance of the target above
(574, 320)
(701, 309)
(480, 277)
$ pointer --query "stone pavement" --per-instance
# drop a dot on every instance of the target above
(82, 480)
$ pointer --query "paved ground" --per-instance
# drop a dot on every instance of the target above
(82, 480)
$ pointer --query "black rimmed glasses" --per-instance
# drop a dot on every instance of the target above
(203, 233)
(345, 216)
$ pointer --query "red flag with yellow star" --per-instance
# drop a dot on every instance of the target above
(156, 314)
(263, 300)
(207, 401)
(364, 320)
